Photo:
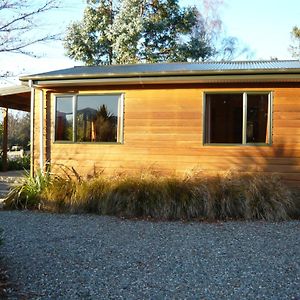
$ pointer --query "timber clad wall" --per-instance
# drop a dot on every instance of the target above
(163, 131)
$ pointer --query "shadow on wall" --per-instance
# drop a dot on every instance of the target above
(282, 160)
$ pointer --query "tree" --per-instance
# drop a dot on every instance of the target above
(125, 32)
(295, 47)
(89, 40)
(200, 45)
(166, 26)
(151, 31)
(18, 129)
(18, 19)
(133, 31)
(105, 125)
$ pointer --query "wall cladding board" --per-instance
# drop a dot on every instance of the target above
(163, 129)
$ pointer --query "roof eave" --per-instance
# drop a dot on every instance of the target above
(168, 80)
(159, 74)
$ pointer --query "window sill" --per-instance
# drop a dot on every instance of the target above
(87, 143)
(238, 145)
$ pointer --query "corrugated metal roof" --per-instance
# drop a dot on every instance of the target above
(165, 69)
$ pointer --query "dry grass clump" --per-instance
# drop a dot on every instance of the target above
(222, 196)
(267, 198)
(227, 196)
(135, 197)
(57, 195)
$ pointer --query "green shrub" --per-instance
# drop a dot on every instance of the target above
(226, 196)
(18, 163)
(27, 194)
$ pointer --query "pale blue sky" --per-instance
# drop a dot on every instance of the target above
(262, 25)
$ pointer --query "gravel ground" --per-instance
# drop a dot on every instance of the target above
(57, 256)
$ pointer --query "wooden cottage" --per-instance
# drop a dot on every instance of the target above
(169, 117)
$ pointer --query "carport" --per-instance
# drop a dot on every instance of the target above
(13, 97)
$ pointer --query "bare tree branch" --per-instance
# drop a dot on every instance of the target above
(18, 20)
(26, 16)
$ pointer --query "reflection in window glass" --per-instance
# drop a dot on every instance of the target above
(64, 119)
(240, 118)
(97, 118)
(257, 118)
(224, 118)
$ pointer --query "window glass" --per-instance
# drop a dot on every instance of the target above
(64, 119)
(236, 118)
(224, 118)
(97, 118)
(257, 118)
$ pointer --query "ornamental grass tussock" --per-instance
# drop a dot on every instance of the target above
(28, 193)
(229, 195)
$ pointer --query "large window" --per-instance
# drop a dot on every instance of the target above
(237, 118)
(89, 118)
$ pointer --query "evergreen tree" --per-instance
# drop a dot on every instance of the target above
(295, 47)
(126, 32)
(134, 31)
(89, 40)
(199, 47)
(165, 26)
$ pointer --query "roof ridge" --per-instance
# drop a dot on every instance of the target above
(199, 63)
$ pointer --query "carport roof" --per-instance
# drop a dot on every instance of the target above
(15, 97)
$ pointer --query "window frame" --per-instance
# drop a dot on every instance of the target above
(244, 115)
(120, 130)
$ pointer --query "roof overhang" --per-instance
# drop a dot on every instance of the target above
(15, 97)
(170, 79)
(170, 73)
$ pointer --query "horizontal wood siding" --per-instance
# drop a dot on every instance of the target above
(163, 131)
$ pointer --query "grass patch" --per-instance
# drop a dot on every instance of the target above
(227, 196)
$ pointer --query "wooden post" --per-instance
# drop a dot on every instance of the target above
(31, 129)
(4, 139)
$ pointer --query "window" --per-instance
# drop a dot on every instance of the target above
(89, 118)
(64, 119)
(237, 118)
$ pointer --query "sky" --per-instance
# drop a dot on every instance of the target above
(263, 26)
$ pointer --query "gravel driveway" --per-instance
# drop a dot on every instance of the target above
(56, 256)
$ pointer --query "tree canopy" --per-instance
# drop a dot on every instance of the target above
(133, 31)
(295, 47)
